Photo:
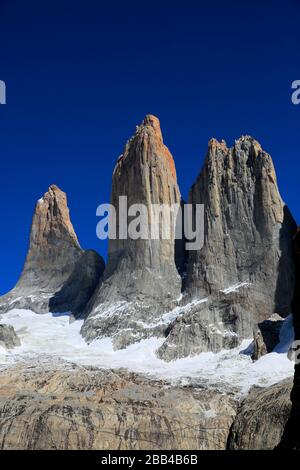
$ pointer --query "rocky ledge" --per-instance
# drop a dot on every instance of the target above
(69, 407)
(66, 407)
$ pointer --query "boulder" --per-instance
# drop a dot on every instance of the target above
(8, 337)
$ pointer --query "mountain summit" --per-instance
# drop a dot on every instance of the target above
(54, 255)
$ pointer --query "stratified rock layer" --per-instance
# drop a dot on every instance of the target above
(141, 280)
(55, 266)
(84, 409)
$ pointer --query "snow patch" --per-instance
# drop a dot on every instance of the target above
(53, 338)
(235, 287)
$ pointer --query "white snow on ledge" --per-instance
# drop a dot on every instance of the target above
(235, 287)
(50, 337)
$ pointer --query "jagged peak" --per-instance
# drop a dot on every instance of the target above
(215, 144)
(53, 188)
(52, 216)
(245, 142)
(150, 126)
(148, 131)
(53, 192)
(151, 120)
(250, 141)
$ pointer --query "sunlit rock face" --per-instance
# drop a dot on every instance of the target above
(47, 281)
(141, 280)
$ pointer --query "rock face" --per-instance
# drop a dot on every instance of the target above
(8, 337)
(54, 260)
(261, 418)
(68, 407)
(248, 228)
(206, 325)
(141, 281)
(80, 286)
(85, 409)
(245, 267)
(291, 437)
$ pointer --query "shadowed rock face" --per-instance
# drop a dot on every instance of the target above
(261, 418)
(246, 267)
(291, 437)
(141, 280)
(53, 259)
(267, 336)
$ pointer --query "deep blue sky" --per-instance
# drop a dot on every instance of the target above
(81, 74)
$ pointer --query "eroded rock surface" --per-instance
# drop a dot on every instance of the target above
(55, 265)
(261, 418)
(8, 337)
(84, 408)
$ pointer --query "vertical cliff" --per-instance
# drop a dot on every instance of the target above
(141, 280)
(245, 270)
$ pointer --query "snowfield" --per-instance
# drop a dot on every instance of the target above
(51, 337)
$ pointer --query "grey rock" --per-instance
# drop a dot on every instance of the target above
(211, 325)
(8, 337)
(57, 271)
(248, 229)
(261, 418)
(140, 281)
(246, 267)
(82, 408)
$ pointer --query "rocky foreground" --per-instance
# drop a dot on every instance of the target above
(71, 407)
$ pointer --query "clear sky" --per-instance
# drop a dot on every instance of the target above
(81, 74)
